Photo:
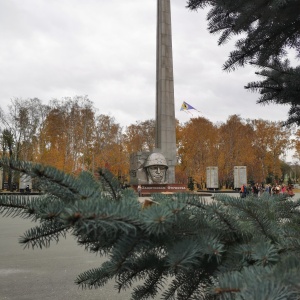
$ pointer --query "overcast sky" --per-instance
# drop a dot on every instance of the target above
(106, 50)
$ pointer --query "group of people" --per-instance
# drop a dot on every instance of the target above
(259, 189)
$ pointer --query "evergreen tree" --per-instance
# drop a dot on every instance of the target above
(181, 247)
(267, 30)
(281, 85)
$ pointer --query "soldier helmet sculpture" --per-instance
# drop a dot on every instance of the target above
(156, 167)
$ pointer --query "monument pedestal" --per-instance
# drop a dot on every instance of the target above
(149, 189)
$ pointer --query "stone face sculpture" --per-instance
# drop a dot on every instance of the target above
(156, 168)
(148, 168)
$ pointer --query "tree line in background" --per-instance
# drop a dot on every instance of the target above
(69, 135)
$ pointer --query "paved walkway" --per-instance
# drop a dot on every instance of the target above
(27, 274)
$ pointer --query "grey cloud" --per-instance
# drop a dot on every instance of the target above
(106, 50)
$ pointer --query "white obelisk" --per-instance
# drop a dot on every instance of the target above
(165, 138)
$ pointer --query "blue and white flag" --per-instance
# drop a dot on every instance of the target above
(186, 107)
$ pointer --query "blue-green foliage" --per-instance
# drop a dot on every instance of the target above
(180, 247)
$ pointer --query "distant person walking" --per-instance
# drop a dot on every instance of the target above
(268, 189)
(243, 191)
(255, 189)
(290, 190)
(139, 190)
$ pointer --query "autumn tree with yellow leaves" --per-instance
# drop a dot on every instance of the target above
(297, 145)
(234, 142)
(197, 148)
(257, 144)
(67, 135)
(271, 141)
(109, 149)
(140, 136)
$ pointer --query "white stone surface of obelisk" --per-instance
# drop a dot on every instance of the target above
(165, 137)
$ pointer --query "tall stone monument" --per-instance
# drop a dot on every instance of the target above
(158, 167)
(165, 135)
